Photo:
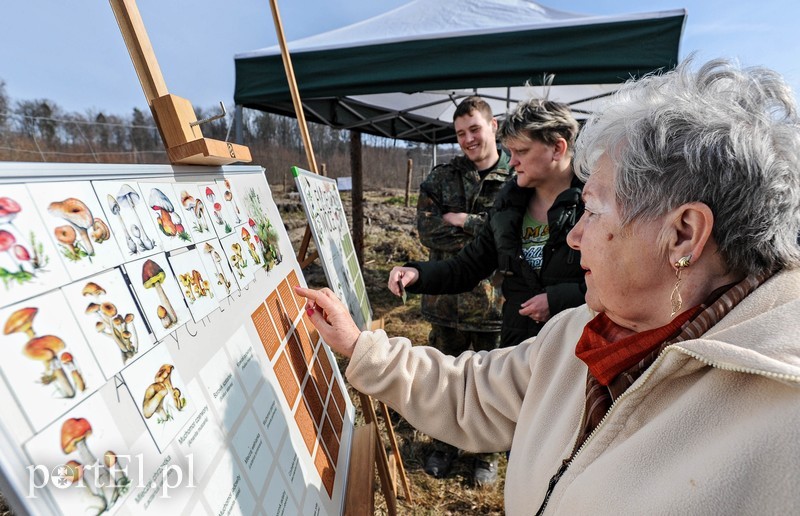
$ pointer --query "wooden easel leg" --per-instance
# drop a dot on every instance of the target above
(359, 499)
(381, 459)
(396, 452)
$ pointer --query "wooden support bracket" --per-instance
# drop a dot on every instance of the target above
(174, 116)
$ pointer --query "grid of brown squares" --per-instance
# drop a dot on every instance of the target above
(286, 293)
(304, 371)
(266, 331)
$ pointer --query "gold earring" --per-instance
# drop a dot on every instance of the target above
(675, 297)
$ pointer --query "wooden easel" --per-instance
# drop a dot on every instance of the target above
(174, 116)
(368, 447)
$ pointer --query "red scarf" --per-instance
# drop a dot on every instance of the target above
(607, 355)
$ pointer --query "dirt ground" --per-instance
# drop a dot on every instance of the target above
(391, 239)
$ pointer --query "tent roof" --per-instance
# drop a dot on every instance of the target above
(400, 74)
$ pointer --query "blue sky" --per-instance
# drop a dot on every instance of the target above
(72, 52)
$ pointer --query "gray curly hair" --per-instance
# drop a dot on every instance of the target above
(726, 136)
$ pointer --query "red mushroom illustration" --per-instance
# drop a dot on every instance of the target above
(7, 243)
(74, 433)
(152, 277)
(168, 221)
(9, 209)
(80, 218)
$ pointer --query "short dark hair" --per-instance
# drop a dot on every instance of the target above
(473, 103)
(542, 120)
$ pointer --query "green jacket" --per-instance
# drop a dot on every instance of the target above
(457, 187)
(498, 246)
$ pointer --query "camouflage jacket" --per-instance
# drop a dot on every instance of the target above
(457, 187)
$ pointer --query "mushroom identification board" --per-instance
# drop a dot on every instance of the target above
(156, 357)
(328, 222)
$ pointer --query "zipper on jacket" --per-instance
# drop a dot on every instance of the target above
(645, 376)
(552, 484)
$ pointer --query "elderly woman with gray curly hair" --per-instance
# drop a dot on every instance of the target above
(676, 388)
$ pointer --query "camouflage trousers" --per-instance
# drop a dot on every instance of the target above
(451, 341)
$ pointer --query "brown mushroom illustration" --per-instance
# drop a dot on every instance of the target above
(163, 316)
(199, 213)
(66, 235)
(92, 289)
(112, 324)
(235, 206)
(152, 277)
(21, 321)
(78, 214)
(164, 376)
(46, 349)
(69, 363)
(100, 231)
(153, 402)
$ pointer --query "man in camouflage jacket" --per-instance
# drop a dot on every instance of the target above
(453, 204)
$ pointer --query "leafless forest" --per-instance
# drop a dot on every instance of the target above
(40, 130)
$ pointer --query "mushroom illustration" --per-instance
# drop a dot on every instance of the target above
(72, 367)
(235, 206)
(163, 316)
(7, 243)
(210, 195)
(21, 321)
(229, 199)
(66, 235)
(92, 289)
(153, 402)
(111, 324)
(79, 216)
(113, 205)
(46, 349)
(100, 232)
(250, 246)
(120, 480)
(74, 433)
(75, 474)
(9, 209)
(152, 277)
(138, 236)
(200, 215)
(21, 254)
(164, 376)
(221, 278)
(127, 196)
(218, 214)
(160, 202)
(189, 204)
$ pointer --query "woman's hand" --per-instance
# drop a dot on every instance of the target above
(537, 308)
(400, 278)
(331, 318)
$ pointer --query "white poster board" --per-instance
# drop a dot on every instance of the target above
(328, 222)
(160, 363)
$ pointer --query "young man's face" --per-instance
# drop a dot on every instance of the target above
(476, 136)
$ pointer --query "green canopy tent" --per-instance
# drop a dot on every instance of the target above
(400, 74)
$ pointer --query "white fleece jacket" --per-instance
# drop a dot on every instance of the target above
(712, 427)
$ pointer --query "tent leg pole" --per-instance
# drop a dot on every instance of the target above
(357, 172)
(238, 129)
